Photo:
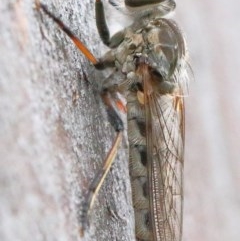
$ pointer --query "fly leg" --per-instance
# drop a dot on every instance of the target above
(112, 104)
(103, 30)
(97, 183)
(107, 61)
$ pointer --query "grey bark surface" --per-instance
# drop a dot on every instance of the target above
(54, 133)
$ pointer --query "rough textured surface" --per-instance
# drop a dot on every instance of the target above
(54, 132)
(52, 143)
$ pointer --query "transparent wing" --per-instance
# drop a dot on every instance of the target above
(165, 149)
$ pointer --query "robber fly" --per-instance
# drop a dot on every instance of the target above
(151, 71)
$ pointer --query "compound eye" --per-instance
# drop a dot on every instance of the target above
(140, 3)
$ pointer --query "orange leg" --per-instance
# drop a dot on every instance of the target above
(75, 40)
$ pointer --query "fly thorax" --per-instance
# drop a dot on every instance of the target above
(124, 53)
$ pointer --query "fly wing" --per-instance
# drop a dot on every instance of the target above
(165, 149)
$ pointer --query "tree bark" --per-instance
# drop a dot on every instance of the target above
(54, 130)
